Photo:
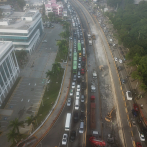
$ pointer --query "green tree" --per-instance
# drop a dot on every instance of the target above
(49, 73)
(15, 124)
(56, 68)
(51, 16)
(31, 120)
(12, 136)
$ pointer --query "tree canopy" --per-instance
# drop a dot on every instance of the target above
(130, 23)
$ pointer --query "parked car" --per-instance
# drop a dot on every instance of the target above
(138, 144)
(134, 113)
(69, 102)
(135, 106)
(141, 136)
(120, 61)
(72, 136)
(119, 68)
(115, 59)
(64, 139)
(129, 95)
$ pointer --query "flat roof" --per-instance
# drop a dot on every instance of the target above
(16, 22)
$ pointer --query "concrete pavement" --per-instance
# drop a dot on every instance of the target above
(58, 108)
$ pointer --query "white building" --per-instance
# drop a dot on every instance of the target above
(22, 28)
(9, 69)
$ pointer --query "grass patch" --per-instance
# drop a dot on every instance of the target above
(49, 97)
(60, 57)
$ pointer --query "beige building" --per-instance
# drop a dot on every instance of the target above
(3, 0)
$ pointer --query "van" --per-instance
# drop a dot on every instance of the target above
(81, 129)
(83, 51)
(77, 105)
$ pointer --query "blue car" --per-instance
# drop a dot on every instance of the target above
(134, 113)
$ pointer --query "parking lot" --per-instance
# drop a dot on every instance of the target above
(27, 97)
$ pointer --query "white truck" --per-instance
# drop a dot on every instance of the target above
(93, 87)
(94, 74)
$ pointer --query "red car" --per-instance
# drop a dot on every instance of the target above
(138, 144)
(82, 71)
(83, 59)
(136, 108)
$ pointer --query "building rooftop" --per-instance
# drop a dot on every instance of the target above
(4, 46)
(18, 20)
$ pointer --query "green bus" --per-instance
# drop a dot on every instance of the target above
(75, 56)
(74, 67)
(79, 47)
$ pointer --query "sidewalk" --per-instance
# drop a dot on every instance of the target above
(34, 138)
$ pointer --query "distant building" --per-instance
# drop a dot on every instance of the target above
(22, 28)
(9, 69)
(138, 1)
(53, 6)
(3, 0)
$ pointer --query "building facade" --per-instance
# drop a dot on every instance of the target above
(53, 6)
(9, 69)
(22, 28)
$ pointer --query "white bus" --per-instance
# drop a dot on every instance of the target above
(67, 123)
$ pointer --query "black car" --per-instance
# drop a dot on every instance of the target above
(72, 136)
(83, 64)
(83, 85)
(119, 68)
(82, 116)
(82, 107)
(123, 81)
(76, 117)
(74, 77)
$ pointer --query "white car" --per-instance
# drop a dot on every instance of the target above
(129, 95)
(71, 92)
(120, 61)
(68, 101)
(64, 139)
(73, 85)
(115, 58)
(44, 41)
(78, 88)
(77, 95)
(79, 65)
(141, 135)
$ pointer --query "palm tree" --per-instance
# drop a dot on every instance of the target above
(12, 136)
(49, 73)
(15, 124)
(31, 120)
(56, 68)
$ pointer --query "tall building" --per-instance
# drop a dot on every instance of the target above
(22, 28)
(9, 69)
